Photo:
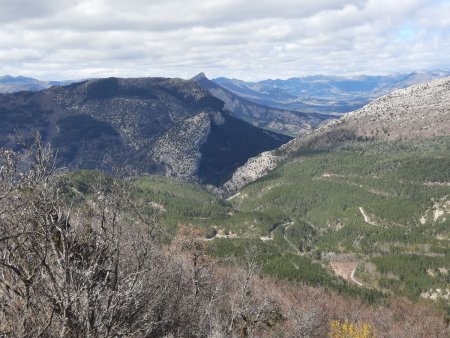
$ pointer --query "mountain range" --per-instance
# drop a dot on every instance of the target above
(293, 107)
(12, 84)
(321, 94)
(325, 94)
(138, 126)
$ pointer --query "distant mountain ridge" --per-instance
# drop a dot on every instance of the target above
(281, 105)
(11, 84)
(144, 125)
(296, 123)
(325, 94)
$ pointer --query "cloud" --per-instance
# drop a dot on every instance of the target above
(237, 38)
(13, 11)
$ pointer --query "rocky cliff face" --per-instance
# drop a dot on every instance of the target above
(136, 126)
(418, 111)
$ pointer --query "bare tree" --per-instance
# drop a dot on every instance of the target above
(96, 268)
(66, 270)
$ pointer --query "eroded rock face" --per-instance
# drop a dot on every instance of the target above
(255, 168)
(178, 150)
(138, 126)
(418, 111)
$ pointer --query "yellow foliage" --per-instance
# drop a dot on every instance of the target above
(346, 329)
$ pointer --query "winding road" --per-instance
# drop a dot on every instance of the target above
(366, 217)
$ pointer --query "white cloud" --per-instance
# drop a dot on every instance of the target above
(236, 38)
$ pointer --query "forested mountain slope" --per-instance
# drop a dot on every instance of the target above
(368, 194)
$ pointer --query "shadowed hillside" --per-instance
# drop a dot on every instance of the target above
(146, 125)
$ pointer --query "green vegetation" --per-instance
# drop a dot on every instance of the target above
(276, 261)
(410, 275)
(182, 203)
(395, 184)
(383, 202)
(368, 198)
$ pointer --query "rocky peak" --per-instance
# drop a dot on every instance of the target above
(199, 76)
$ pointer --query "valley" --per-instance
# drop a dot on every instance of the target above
(341, 208)
(358, 207)
(224, 169)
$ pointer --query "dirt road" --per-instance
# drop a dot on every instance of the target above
(346, 270)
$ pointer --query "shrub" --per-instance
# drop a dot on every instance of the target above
(345, 329)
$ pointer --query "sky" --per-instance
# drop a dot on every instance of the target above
(245, 39)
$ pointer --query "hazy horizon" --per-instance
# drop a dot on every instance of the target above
(233, 78)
